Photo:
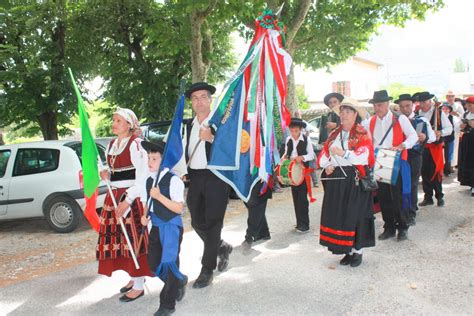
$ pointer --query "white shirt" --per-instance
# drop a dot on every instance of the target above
(383, 124)
(457, 124)
(431, 137)
(139, 158)
(309, 148)
(351, 157)
(457, 107)
(176, 186)
(445, 123)
(199, 160)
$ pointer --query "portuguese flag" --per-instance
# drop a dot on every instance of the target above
(90, 154)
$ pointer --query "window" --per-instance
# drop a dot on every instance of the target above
(342, 87)
(157, 132)
(77, 147)
(32, 160)
(4, 157)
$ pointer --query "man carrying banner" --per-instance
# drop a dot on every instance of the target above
(208, 195)
(433, 165)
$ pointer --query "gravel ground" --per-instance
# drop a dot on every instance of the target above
(430, 273)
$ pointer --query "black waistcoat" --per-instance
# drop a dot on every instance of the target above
(158, 208)
(300, 148)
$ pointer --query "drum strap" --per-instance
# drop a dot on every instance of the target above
(395, 118)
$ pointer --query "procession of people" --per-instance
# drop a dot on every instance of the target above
(364, 160)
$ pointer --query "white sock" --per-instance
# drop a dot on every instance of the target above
(138, 283)
(353, 251)
(472, 190)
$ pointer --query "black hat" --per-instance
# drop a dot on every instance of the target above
(424, 96)
(446, 104)
(415, 96)
(463, 102)
(380, 96)
(158, 146)
(404, 97)
(199, 86)
(336, 95)
(297, 122)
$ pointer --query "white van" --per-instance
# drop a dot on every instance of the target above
(44, 179)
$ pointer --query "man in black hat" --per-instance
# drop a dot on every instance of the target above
(207, 195)
(330, 120)
(425, 135)
(299, 148)
(391, 131)
(432, 165)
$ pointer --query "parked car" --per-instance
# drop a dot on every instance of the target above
(44, 179)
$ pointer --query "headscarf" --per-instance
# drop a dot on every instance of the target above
(131, 118)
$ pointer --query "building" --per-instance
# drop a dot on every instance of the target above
(357, 78)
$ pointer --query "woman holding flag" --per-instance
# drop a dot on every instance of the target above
(127, 171)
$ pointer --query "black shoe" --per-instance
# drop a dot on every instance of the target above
(402, 235)
(356, 260)
(204, 279)
(264, 237)
(387, 233)
(224, 251)
(125, 289)
(126, 299)
(302, 229)
(164, 311)
(182, 288)
(411, 221)
(440, 202)
(346, 260)
(426, 202)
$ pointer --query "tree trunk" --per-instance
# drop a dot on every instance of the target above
(48, 123)
(291, 101)
(198, 67)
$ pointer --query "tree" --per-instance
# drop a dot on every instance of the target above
(35, 47)
(396, 88)
(325, 33)
(459, 66)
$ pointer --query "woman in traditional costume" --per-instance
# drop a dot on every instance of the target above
(347, 219)
(466, 147)
(127, 171)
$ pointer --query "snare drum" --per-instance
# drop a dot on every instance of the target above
(387, 165)
(290, 172)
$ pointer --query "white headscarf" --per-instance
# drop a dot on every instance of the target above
(131, 118)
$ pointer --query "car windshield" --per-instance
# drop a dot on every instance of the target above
(4, 157)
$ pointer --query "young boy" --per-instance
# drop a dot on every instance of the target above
(167, 202)
(298, 147)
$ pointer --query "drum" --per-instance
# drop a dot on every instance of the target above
(387, 165)
(290, 172)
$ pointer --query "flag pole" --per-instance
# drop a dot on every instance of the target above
(122, 225)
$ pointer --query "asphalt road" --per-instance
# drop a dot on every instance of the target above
(430, 273)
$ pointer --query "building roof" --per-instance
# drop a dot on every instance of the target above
(366, 61)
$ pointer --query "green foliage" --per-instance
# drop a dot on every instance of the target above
(460, 66)
(34, 48)
(395, 89)
(302, 98)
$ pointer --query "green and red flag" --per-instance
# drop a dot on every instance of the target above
(90, 169)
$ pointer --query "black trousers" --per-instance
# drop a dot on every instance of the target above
(390, 198)
(414, 159)
(257, 226)
(207, 201)
(170, 289)
(427, 170)
(301, 205)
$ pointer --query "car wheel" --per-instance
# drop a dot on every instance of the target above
(62, 214)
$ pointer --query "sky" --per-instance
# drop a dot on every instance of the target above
(423, 52)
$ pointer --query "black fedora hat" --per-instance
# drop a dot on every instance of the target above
(199, 86)
(336, 95)
(380, 96)
(404, 97)
(424, 96)
(415, 96)
(297, 122)
(158, 146)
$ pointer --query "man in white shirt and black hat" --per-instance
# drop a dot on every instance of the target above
(433, 156)
(207, 195)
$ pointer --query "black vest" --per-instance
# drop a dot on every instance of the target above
(450, 138)
(440, 125)
(158, 208)
(300, 148)
(189, 126)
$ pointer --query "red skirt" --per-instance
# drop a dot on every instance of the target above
(112, 250)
